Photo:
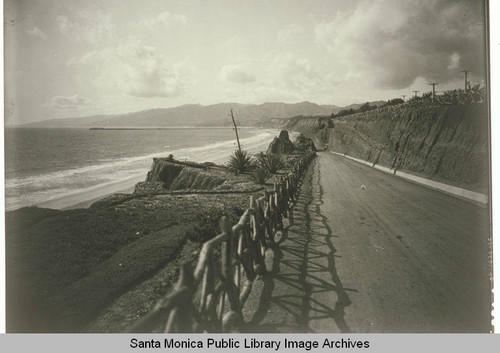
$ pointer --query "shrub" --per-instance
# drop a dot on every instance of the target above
(260, 175)
(205, 227)
(345, 112)
(240, 162)
(365, 107)
(271, 162)
(394, 101)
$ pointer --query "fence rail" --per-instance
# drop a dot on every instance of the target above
(211, 298)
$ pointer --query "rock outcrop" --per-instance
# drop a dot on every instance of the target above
(304, 144)
(281, 144)
(168, 176)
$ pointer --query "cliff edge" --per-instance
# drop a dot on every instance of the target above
(446, 143)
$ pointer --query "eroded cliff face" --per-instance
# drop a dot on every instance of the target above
(318, 128)
(169, 174)
(446, 143)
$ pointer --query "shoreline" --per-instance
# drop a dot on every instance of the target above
(84, 198)
(131, 127)
(79, 262)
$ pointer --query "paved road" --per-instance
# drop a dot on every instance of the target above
(391, 256)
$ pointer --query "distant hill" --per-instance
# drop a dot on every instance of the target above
(292, 122)
(196, 115)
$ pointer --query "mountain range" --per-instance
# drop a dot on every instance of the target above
(198, 115)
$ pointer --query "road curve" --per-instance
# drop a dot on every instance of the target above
(370, 252)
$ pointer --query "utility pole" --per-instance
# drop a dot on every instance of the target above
(404, 97)
(466, 82)
(235, 129)
(433, 84)
(416, 93)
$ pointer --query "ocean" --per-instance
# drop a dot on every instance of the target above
(49, 164)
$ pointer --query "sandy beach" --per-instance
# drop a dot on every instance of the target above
(87, 196)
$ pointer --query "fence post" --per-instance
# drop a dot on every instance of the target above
(225, 227)
(184, 324)
(264, 216)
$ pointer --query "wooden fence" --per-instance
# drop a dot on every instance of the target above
(211, 298)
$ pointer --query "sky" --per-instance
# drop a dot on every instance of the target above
(86, 57)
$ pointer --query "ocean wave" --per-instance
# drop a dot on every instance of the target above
(190, 152)
(35, 189)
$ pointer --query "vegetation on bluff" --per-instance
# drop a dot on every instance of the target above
(443, 139)
(260, 175)
(476, 94)
(240, 162)
(65, 269)
(271, 162)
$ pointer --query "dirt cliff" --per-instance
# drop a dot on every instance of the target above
(101, 268)
(176, 175)
(447, 143)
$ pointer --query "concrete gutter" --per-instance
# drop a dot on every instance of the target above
(470, 195)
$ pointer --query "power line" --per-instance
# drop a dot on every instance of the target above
(465, 74)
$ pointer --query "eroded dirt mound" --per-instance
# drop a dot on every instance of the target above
(170, 174)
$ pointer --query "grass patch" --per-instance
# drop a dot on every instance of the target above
(81, 301)
(64, 268)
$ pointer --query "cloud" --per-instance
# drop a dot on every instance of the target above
(163, 20)
(276, 76)
(36, 32)
(239, 73)
(134, 69)
(273, 94)
(392, 43)
(66, 103)
(289, 34)
(66, 27)
(286, 71)
(91, 27)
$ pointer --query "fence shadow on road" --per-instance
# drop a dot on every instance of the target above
(303, 292)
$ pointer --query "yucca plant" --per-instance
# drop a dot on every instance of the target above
(240, 161)
(260, 175)
(272, 162)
